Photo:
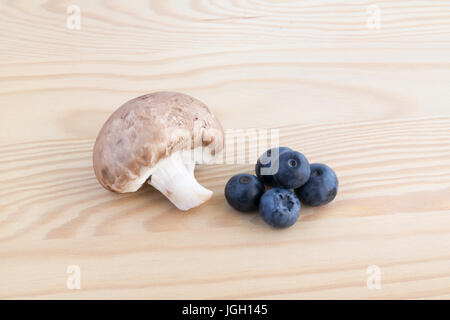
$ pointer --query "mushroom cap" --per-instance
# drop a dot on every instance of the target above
(147, 129)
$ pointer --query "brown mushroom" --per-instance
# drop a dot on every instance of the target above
(158, 137)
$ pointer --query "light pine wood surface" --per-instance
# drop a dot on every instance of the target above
(373, 103)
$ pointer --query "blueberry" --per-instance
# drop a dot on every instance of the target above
(243, 192)
(293, 170)
(321, 187)
(265, 161)
(279, 207)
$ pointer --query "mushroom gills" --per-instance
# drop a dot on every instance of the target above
(174, 177)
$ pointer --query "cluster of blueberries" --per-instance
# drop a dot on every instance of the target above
(282, 169)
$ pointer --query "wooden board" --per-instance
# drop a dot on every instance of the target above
(371, 102)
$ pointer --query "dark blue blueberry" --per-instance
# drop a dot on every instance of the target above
(279, 207)
(293, 170)
(243, 192)
(321, 187)
(264, 169)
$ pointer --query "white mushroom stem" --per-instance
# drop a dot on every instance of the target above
(174, 177)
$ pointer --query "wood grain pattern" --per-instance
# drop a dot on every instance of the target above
(373, 104)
